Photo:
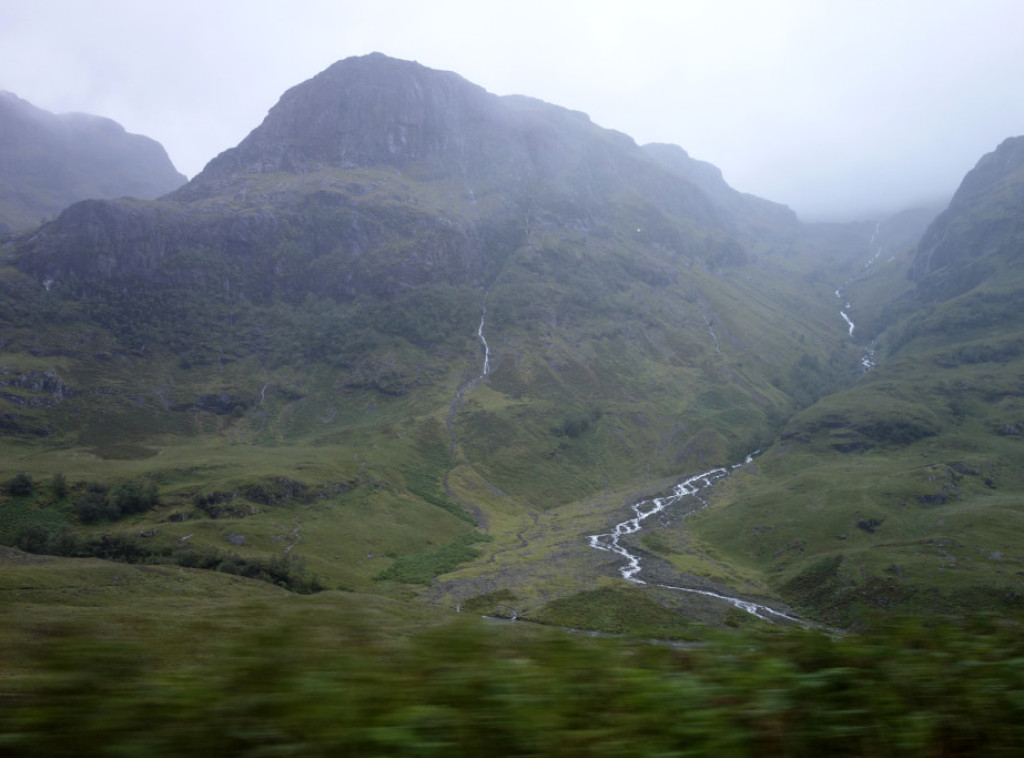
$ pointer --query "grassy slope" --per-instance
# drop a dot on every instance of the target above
(903, 492)
(621, 359)
(595, 388)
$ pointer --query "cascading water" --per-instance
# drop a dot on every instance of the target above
(867, 358)
(644, 509)
(483, 340)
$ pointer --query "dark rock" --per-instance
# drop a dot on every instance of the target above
(869, 525)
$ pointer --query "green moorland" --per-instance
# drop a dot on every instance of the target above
(349, 444)
(322, 439)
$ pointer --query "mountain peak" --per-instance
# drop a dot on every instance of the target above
(365, 111)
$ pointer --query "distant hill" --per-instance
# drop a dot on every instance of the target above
(48, 162)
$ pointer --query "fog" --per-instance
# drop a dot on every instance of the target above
(839, 110)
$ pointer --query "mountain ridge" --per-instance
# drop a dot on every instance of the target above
(982, 221)
(50, 161)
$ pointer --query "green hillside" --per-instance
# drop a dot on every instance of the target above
(902, 494)
(422, 351)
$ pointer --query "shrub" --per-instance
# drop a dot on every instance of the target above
(98, 503)
(33, 539)
(20, 484)
(94, 505)
(135, 497)
(59, 486)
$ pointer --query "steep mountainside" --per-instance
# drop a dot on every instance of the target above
(981, 231)
(407, 325)
(903, 492)
(48, 162)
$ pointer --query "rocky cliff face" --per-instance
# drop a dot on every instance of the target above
(366, 112)
(375, 113)
(49, 161)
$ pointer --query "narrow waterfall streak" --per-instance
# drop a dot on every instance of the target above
(849, 323)
(487, 350)
(867, 358)
(483, 340)
(874, 244)
(847, 319)
(714, 337)
(456, 402)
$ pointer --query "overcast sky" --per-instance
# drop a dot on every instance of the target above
(838, 108)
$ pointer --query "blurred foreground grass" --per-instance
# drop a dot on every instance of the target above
(207, 672)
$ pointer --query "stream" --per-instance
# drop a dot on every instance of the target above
(644, 509)
(480, 333)
(867, 358)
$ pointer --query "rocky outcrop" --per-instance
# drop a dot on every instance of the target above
(364, 112)
(487, 153)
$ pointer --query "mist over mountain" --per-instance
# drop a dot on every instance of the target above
(408, 317)
(49, 161)
(343, 165)
(981, 231)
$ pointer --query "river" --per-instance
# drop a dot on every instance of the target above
(644, 509)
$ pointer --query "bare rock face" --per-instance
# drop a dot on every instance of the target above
(375, 113)
(362, 112)
(48, 162)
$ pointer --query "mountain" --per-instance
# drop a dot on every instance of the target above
(413, 339)
(761, 223)
(981, 230)
(48, 162)
(902, 492)
(342, 164)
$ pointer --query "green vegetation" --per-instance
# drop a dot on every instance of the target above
(618, 611)
(282, 379)
(285, 571)
(318, 682)
(98, 503)
(20, 484)
(253, 464)
(422, 568)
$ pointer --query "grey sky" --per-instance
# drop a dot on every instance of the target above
(836, 108)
